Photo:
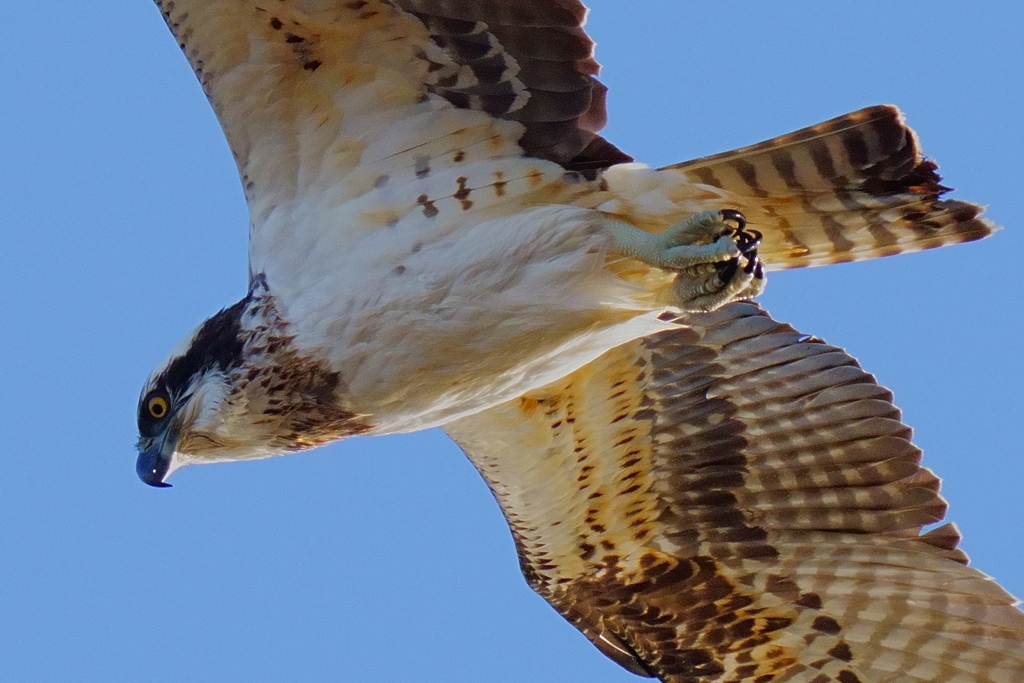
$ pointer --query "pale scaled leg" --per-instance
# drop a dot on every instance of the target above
(713, 254)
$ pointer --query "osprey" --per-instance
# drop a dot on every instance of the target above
(440, 237)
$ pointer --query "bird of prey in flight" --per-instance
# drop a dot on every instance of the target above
(440, 237)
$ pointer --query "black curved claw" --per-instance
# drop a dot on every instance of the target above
(752, 264)
(726, 269)
(747, 241)
(734, 215)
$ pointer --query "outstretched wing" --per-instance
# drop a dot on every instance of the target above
(313, 94)
(735, 501)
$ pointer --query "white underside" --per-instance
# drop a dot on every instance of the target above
(431, 320)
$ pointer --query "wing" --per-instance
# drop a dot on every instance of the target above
(531, 62)
(735, 501)
(852, 188)
(317, 93)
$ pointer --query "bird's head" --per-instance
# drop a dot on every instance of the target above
(184, 409)
(236, 389)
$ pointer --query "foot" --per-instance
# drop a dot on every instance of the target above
(713, 254)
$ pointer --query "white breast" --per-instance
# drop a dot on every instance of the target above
(432, 318)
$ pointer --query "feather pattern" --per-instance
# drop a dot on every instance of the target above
(310, 90)
(852, 188)
(531, 62)
(312, 93)
(734, 501)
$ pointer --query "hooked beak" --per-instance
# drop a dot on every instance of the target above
(156, 459)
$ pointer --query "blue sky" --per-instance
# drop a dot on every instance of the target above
(122, 225)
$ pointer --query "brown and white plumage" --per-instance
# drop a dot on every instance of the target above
(312, 93)
(709, 498)
(853, 188)
(737, 501)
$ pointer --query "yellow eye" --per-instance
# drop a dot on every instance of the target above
(157, 406)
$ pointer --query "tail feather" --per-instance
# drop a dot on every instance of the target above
(852, 188)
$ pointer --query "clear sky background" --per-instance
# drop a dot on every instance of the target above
(122, 225)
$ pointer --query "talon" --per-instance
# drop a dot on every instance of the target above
(727, 269)
(747, 241)
(735, 216)
(713, 254)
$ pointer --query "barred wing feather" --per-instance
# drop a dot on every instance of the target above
(735, 501)
(313, 92)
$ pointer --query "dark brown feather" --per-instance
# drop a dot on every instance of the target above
(539, 48)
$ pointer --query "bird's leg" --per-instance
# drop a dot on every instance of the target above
(713, 254)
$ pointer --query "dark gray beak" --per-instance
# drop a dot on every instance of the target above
(156, 456)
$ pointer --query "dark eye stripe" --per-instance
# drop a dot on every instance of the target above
(217, 344)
